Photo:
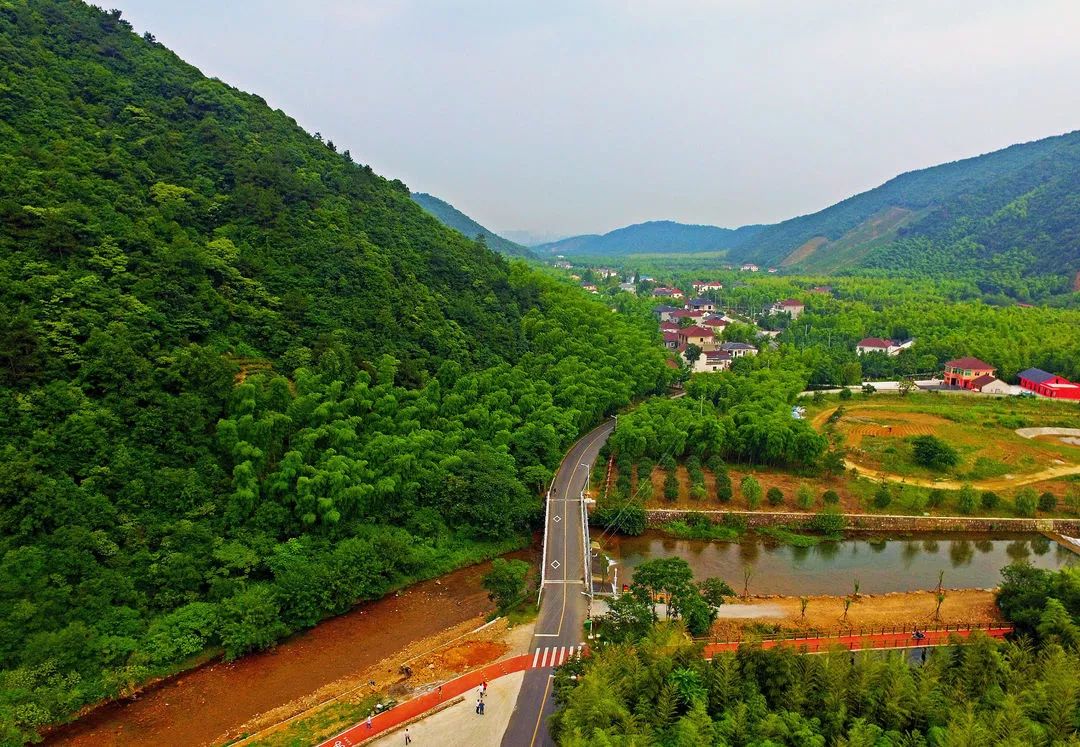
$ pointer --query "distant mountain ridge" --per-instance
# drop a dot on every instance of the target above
(1019, 205)
(450, 216)
(660, 236)
(1016, 209)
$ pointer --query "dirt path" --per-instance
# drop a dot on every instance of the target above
(208, 705)
(997, 483)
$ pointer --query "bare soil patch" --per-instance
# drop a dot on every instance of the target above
(826, 613)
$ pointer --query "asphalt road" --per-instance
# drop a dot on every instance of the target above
(563, 603)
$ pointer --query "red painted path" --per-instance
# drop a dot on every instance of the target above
(418, 706)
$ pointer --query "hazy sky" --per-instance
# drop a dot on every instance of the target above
(582, 116)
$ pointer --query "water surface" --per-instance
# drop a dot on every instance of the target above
(881, 564)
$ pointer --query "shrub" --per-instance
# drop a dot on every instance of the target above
(932, 452)
(714, 590)
(990, 500)
(626, 520)
(751, 491)
(697, 492)
(845, 393)
(882, 496)
(805, 496)
(505, 582)
(935, 499)
(1047, 502)
(1025, 502)
(723, 485)
(644, 469)
(671, 485)
(831, 497)
(965, 502)
(774, 496)
(828, 521)
(734, 521)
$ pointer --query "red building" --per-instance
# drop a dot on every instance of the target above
(1048, 384)
(962, 372)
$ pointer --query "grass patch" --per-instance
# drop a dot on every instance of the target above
(318, 726)
(789, 536)
(700, 527)
(525, 612)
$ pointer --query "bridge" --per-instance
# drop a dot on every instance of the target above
(564, 591)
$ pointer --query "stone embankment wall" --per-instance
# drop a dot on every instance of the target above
(890, 523)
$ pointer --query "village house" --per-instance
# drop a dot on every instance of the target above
(663, 313)
(790, 306)
(712, 361)
(702, 286)
(772, 270)
(590, 287)
(669, 326)
(1048, 384)
(715, 323)
(606, 272)
(749, 267)
(988, 384)
(738, 349)
(628, 288)
(563, 265)
(687, 314)
(823, 289)
(702, 304)
(665, 292)
(879, 345)
(671, 340)
(695, 335)
(961, 372)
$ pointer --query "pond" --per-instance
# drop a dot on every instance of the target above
(881, 564)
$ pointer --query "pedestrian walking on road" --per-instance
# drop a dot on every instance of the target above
(481, 708)
(369, 721)
(485, 687)
(478, 702)
(408, 739)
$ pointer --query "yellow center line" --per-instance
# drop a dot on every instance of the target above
(540, 715)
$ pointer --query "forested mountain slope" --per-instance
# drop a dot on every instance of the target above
(1015, 209)
(662, 236)
(450, 216)
(244, 381)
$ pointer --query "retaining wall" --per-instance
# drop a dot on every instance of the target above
(890, 523)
